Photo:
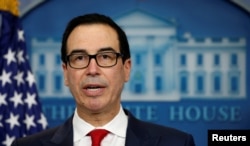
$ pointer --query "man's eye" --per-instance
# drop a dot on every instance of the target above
(105, 56)
(79, 58)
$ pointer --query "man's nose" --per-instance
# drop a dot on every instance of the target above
(93, 66)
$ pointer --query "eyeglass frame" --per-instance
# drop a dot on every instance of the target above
(94, 57)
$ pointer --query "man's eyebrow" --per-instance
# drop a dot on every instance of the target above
(100, 50)
(78, 51)
(106, 49)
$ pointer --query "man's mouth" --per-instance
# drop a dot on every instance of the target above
(93, 87)
(93, 90)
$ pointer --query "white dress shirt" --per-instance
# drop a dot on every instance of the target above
(117, 128)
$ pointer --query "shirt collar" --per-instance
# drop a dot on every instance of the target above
(80, 127)
(117, 125)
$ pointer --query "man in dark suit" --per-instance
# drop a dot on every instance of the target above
(96, 64)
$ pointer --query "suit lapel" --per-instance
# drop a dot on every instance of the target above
(137, 135)
(63, 135)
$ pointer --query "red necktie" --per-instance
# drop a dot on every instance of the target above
(97, 135)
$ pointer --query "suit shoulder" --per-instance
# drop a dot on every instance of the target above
(62, 134)
(160, 129)
(152, 128)
(167, 135)
(35, 138)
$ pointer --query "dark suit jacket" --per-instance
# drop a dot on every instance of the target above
(139, 133)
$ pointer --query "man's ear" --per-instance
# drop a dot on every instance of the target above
(127, 69)
(65, 72)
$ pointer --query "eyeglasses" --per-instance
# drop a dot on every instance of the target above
(103, 59)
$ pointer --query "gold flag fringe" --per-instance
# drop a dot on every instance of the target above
(11, 6)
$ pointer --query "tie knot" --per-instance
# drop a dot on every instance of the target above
(97, 135)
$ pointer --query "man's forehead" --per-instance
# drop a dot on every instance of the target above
(92, 41)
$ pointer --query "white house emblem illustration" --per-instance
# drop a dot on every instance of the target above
(165, 66)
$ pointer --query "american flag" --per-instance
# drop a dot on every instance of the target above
(20, 109)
